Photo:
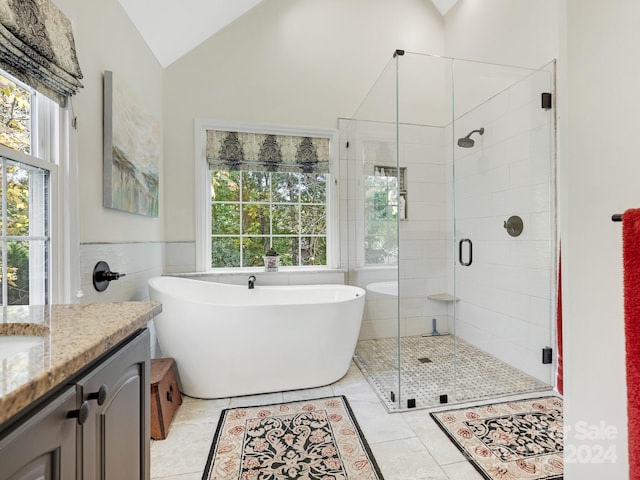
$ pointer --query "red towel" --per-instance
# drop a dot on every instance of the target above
(631, 260)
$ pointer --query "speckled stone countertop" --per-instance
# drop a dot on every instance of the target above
(62, 339)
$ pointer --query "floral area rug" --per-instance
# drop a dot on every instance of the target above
(310, 439)
(520, 440)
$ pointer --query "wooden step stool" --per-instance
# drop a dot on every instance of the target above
(165, 396)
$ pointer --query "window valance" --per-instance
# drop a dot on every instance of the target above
(264, 152)
(37, 47)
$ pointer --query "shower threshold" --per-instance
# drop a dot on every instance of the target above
(474, 375)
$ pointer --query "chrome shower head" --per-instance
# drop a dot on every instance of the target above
(468, 142)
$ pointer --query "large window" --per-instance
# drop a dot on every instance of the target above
(253, 212)
(266, 190)
(25, 179)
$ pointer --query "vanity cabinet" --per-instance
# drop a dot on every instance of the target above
(44, 446)
(114, 439)
(97, 428)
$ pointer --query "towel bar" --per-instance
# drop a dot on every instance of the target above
(616, 217)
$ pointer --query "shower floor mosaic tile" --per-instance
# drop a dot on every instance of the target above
(429, 371)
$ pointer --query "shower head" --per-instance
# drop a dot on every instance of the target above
(468, 142)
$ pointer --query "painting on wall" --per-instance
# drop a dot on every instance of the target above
(131, 151)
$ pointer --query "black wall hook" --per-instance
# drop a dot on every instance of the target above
(102, 275)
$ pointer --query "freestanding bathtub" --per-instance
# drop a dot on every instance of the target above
(229, 340)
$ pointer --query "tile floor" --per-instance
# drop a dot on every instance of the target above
(407, 445)
(438, 365)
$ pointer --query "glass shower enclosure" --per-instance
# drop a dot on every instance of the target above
(448, 203)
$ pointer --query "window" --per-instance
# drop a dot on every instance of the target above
(254, 211)
(266, 189)
(385, 198)
(25, 178)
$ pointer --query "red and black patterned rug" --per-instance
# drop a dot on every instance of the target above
(519, 440)
(312, 439)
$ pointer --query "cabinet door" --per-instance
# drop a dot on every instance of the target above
(44, 447)
(115, 438)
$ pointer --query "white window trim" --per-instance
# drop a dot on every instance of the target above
(203, 188)
(51, 128)
(59, 153)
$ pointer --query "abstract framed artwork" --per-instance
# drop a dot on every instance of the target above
(131, 152)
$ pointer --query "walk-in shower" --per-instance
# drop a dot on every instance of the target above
(423, 220)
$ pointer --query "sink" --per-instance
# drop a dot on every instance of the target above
(12, 344)
(21, 337)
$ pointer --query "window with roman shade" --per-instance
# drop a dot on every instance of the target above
(265, 152)
(37, 47)
(268, 191)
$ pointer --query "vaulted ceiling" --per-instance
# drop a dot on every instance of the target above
(171, 29)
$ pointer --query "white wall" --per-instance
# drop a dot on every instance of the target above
(287, 62)
(600, 68)
(107, 40)
(521, 33)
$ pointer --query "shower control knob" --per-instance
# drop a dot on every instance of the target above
(102, 275)
(514, 225)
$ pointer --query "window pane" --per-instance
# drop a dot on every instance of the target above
(285, 187)
(314, 251)
(27, 197)
(15, 116)
(313, 188)
(374, 249)
(225, 219)
(314, 219)
(225, 252)
(225, 186)
(255, 219)
(273, 209)
(287, 247)
(19, 274)
(253, 249)
(255, 186)
(285, 219)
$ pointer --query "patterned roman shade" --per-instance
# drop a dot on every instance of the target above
(37, 47)
(264, 152)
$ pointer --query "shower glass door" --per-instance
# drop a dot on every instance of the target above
(504, 237)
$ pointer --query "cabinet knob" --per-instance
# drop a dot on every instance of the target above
(82, 414)
(100, 395)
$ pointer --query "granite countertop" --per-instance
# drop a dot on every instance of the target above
(62, 340)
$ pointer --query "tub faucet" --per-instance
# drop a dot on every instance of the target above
(252, 282)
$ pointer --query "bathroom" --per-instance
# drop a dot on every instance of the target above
(310, 63)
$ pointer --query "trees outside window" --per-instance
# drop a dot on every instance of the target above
(255, 211)
(24, 201)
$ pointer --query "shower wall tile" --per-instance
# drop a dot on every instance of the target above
(432, 173)
(505, 305)
(482, 116)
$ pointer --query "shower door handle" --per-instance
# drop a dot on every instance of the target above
(463, 241)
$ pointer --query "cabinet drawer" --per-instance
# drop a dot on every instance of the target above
(165, 396)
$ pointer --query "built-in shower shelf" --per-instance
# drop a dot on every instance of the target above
(443, 297)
